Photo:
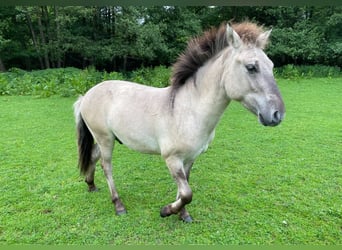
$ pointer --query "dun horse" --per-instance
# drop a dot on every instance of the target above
(178, 122)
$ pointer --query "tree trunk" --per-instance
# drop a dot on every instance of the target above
(124, 63)
(2, 66)
(44, 45)
(34, 38)
(58, 52)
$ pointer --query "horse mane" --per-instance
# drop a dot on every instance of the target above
(202, 48)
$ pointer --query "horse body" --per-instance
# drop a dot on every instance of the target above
(178, 122)
(124, 110)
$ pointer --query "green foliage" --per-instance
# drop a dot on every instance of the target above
(254, 186)
(112, 76)
(71, 81)
(44, 83)
(296, 45)
(67, 82)
(307, 71)
(156, 77)
(125, 38)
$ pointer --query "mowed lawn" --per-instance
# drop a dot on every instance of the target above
(255, 184)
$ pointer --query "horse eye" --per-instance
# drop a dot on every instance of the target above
(251, 68)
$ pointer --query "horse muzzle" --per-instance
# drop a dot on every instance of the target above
(272, 119)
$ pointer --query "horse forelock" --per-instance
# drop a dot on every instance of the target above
(202, 48)
(248, 32)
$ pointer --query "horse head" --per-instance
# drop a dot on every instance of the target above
(249, 75)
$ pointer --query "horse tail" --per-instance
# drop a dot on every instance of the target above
(85, 139)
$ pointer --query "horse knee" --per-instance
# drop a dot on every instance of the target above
(186, 196)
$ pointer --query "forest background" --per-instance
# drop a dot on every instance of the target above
(124, 39)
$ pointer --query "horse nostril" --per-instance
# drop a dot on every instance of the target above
(277, 116)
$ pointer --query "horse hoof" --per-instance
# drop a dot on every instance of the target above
(187, 219)
(93, 189)
(165, 211)
(122, 212)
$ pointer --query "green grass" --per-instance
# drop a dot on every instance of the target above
(255, 185)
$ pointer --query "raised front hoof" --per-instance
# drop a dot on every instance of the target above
(165, 211)
(121, 212)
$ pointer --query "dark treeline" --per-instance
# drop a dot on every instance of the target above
(126, 38)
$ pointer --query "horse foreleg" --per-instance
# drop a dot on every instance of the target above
(184, 194)
(183, 214)
(95, 156)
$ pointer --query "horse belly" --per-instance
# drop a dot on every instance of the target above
(138, 141)
(135, 128)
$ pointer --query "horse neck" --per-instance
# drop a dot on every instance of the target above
(205, 93)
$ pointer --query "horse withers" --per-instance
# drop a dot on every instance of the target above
(178, 122)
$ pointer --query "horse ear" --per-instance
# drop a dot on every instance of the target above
(262, 39)
(233, 37)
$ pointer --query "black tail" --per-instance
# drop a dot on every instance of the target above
(85, 145)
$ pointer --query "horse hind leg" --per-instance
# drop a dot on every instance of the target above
(106, 148)
(95, 156)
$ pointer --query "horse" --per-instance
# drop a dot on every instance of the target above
(224, 64)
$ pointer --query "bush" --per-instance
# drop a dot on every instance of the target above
(44, 83)
(156, 77)
(72, 82)
(307, 71)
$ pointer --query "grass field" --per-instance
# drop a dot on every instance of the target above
(255, 184)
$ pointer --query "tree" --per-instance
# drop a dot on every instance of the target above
(176, 26)
(4, 24)
(125, 38)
